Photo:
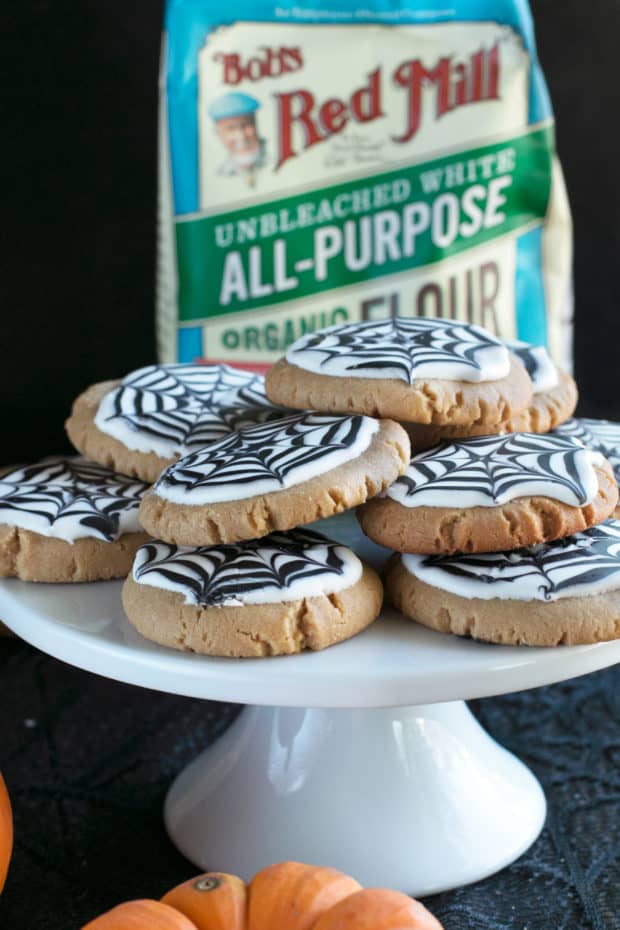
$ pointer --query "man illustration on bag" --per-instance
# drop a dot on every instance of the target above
(234, 115)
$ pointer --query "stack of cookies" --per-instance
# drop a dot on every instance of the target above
(500, 521)
(232, 568)
(457, 451)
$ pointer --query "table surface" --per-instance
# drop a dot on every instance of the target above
(88, 762)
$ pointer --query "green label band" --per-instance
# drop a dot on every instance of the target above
(366, 229)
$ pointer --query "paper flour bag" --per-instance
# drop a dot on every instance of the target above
(337, 162)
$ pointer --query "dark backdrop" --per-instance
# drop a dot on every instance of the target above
(79, 198)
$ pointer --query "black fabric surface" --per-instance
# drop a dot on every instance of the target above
(88, 762)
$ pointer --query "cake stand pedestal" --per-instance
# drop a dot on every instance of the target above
(417, 798)
(387, 777)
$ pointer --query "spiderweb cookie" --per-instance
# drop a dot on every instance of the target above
(274, 476)
(601, 435)
(155, 415)
(413, 370)
(68, 520)
(274, 596)
(562, 592)
(492, 493)
(555, 398)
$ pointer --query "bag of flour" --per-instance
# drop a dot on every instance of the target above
(337, 162)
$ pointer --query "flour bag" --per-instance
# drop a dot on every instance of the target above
(335, 162)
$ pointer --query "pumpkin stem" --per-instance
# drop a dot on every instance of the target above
(207, 883)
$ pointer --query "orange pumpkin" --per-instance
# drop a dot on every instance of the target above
(374, 908)
(213, 900)
(293, 896)
(6, 832)
(141, 915)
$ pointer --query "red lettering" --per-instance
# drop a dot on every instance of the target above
(366, 102)
(268, 62)
(294, 58)
(493, 74)
(456, 84)
(232, 72)
(255, 69)
(461, 89)
(411, 75)
(333, 116)
(271, 64)
(477, 66)
(295, 107)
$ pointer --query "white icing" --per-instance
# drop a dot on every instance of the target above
(583, 564)
(70, 499)
(488, 471)
(266, 458)
(171, 410)
(405, 349)
(279, 567)
(602, 435)
(542, 371)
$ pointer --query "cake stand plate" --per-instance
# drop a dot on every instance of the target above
(363, 757)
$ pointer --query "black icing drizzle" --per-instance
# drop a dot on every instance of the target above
(580, 560)
(529, 356)
(191, 405)
(601, 435)
(212, 575)
(496, 466)
(268, 451)
(58, 489)
(399, 344)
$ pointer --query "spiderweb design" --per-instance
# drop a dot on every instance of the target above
(215, 575)
(62, 492)
(601, 435)
(188, 406)
(271, 452)
(537, 362)
(403, 348)
(498, 468)
(586, 559)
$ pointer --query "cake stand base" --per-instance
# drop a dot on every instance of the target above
(420, 799)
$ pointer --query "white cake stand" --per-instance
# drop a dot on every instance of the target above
(363, 757)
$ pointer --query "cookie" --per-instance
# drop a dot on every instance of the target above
(276, 596)
(602, 435)
(492, 493)
(66, 520)
(554, 401)
(413, 370)
(274, 476)
(563, 592)
(157, 414)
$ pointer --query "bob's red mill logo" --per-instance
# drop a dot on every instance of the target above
(455, 82)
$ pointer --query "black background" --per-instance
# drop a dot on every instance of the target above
(79, 188)
(87, 760)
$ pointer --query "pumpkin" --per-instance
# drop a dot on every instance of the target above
(6, 832)
(213, 900)
(293, 896)
(141, 915)
(374, 908)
